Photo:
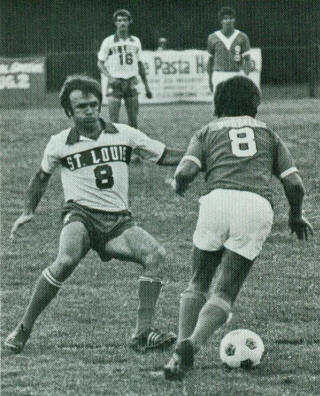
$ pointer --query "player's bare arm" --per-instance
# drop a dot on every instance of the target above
(210, 62)
(210, 70)
(184, 175)
(143, 75)
(34, 193)
(294, 190)
(104, 70)
(171, 157)
(246, 64)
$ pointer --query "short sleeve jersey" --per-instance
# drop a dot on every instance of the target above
(240, 153)
(94, 173)
(120, 56)
(228, 51)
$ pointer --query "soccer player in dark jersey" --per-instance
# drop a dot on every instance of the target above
(228, 50)
(238, 156)
(93, 158)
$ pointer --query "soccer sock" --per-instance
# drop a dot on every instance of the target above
(212, 316)
(190, 305)
(149, 290)
(45, 290)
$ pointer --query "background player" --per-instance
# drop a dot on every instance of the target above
(119, 60)
(238, 155)
(228, 50)
(162, 44)
(94, 158)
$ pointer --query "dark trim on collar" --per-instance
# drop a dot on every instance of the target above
(116, 38)
(74, 136)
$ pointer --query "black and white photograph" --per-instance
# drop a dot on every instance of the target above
(160, 197)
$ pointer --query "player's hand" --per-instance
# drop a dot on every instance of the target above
(246, 68)
(178, 189)
(211, 86)
(149, 94)
(301, 227)
(23, 219)
(114, 82)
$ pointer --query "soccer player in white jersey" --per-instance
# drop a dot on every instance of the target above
(119, 60)
(238, 155)
(228, 50)
(93, 158)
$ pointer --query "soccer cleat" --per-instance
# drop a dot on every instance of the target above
(150, 338)
(181, 361)
(17, 339)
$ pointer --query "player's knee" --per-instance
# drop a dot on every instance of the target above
(154, 260)
(63, 267)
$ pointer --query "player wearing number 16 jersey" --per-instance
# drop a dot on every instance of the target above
(119, 60)
(238, 156)
(93, 157)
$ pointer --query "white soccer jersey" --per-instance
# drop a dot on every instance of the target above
(94, 173)
(120, 56)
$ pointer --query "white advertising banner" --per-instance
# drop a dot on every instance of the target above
(181, 76)
(22, 81)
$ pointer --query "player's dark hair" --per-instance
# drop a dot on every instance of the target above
(83, 83)
(236, 96)
(122, 12)
(226, 11)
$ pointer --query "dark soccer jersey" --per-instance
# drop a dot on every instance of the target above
(228, 51)
(240, 153)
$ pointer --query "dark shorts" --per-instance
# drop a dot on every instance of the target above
(101, 226)
(123, 88)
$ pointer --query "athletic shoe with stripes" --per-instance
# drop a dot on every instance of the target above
(180, 362)
(150, 338)
(17, 339)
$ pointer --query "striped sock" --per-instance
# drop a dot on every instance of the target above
(45, 290)
(190, 306)
(212, 316)
(149, 290)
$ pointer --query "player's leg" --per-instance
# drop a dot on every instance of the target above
(250, 221)
(208, 241)
(232, 272)
(132, 107)
(73, 246)
(248, 218)
(137, 245)
(204, 265)
(131, 101)
(114, 105)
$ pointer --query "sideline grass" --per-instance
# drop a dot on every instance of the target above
(78, 346)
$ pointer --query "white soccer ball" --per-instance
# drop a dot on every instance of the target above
(241, 348)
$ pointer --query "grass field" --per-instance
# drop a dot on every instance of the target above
(78, 346)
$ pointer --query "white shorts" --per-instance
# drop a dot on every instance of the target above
(237, 220)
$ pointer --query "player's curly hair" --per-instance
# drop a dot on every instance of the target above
(122, 12)
(236, 96)
(226, 11)
(83, 83)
